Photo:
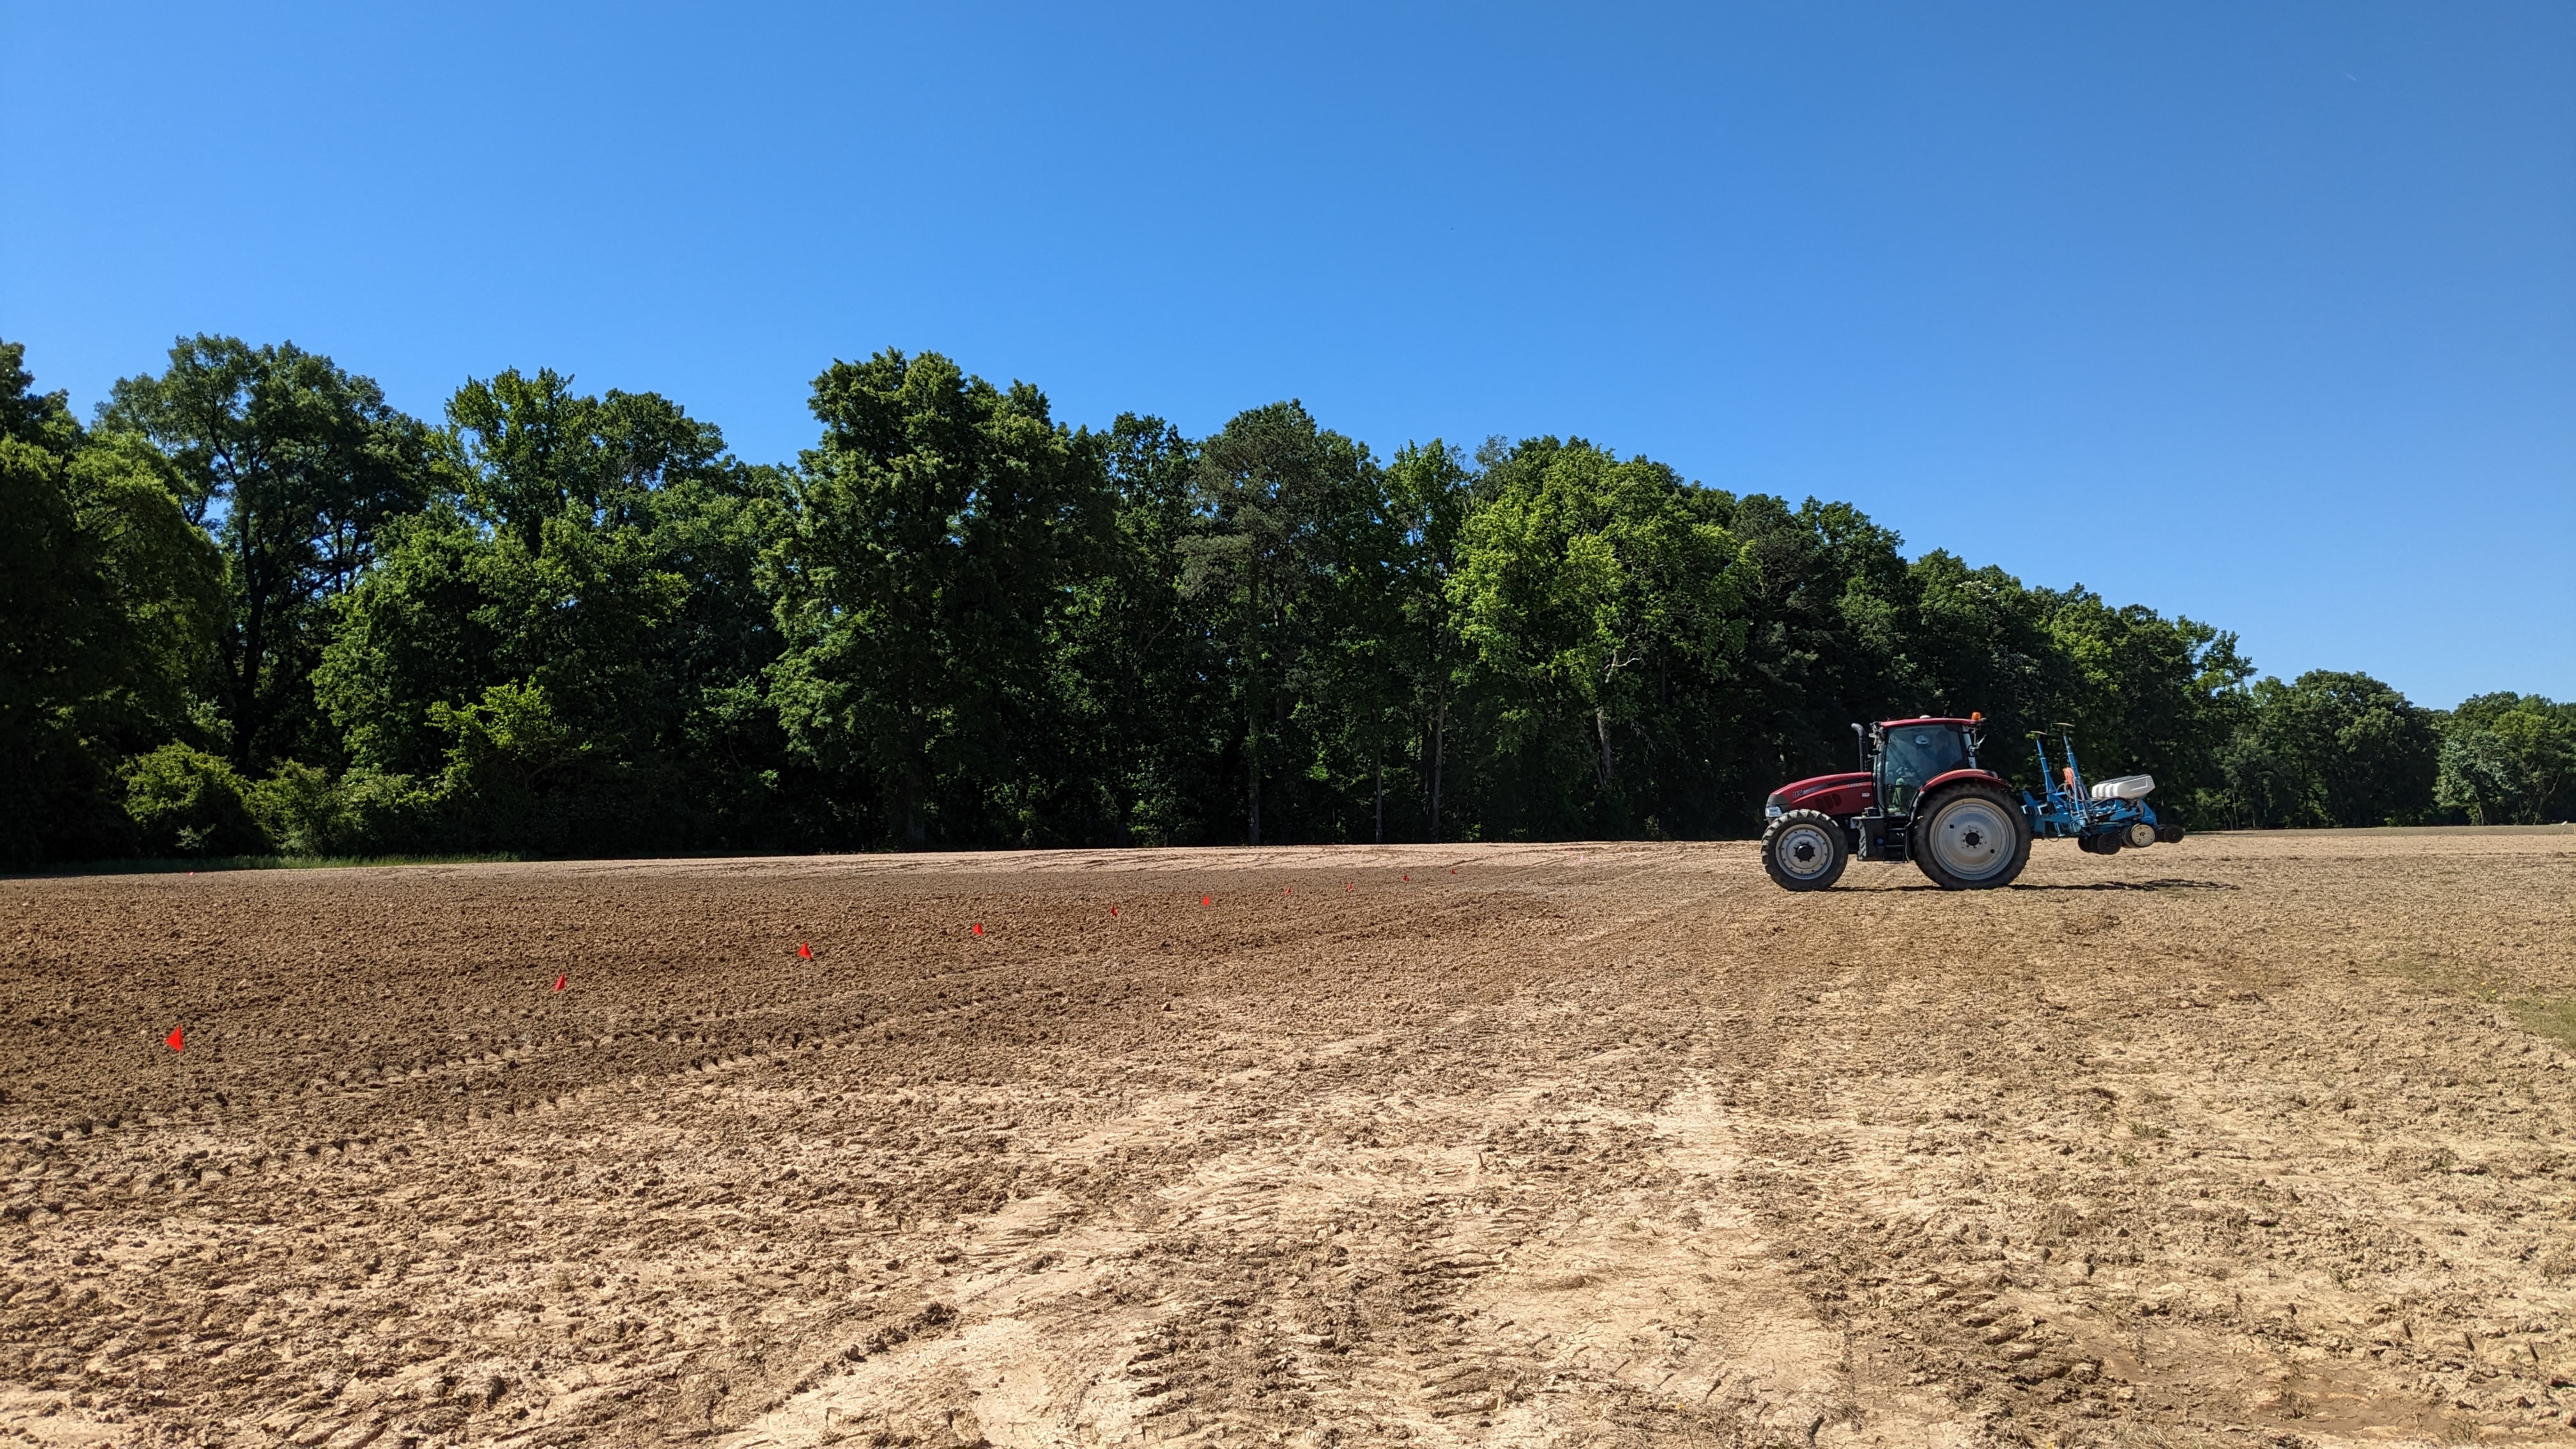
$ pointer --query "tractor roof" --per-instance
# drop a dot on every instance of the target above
(1894, 724)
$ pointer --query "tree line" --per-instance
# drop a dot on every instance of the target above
(250, 607)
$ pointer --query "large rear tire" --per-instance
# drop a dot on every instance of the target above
(1804, 850)
(1971, 838)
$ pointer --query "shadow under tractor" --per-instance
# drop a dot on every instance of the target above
(1920, 795)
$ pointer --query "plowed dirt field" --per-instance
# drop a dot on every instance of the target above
(2247, 1140)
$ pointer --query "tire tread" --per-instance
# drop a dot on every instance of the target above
(1833, 831)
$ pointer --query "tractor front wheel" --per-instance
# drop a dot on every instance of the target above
(1804, 850)
(1971, 838)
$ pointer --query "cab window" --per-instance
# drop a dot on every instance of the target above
(1915, 756)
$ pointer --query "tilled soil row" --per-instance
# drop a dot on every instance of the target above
(2243, 1139)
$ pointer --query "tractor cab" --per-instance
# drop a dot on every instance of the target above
(1899, 760)
(1909, 754)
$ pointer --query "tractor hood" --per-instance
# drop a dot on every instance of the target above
(1844, 794)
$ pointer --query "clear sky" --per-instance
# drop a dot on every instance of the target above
(2265, 314)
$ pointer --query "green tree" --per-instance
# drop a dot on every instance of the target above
(595, 554)
(1281, 498)
(2477, 774)
(530, 449)
(1136, 704)
(186, 802)
(295, 464)
(107, 602)
(933, 539)
(2330, 749)
(62, 639)
(41, 420)
(2540, 736)
(1429, 490)
(2158, 696)
(1603, 606)
(1974, 639)
(253, 606)
(1830, 626)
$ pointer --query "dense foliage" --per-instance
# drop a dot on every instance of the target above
(251, 607)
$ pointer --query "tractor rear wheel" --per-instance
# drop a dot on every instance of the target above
(1804, 850)
(1971, 838)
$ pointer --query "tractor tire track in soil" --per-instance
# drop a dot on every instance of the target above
(2243, 1140)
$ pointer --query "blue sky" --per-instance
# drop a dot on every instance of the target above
(2263, 314)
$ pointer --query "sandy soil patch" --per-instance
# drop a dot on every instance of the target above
(2246, 1140)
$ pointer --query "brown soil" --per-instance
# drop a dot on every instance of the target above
(2246, 1140)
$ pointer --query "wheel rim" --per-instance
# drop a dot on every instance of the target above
(2142, 835)
(1972, 839)
(1804, 851)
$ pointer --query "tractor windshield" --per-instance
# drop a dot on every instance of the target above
(1915, 755)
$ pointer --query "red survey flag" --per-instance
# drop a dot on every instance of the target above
(559, 981)
(805, 950)
(177, 1039)
(1113, 910)
(1203, 900)
(977, 928)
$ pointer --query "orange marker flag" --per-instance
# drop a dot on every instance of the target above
(977, 928)
(559, 981)
(805, 950)
(177, 1039)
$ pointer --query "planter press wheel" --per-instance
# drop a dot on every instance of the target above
(1972, 838)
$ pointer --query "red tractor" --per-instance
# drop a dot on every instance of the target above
(1919, 795)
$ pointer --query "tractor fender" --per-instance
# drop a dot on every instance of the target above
(1982, 777)
(2020, 800)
